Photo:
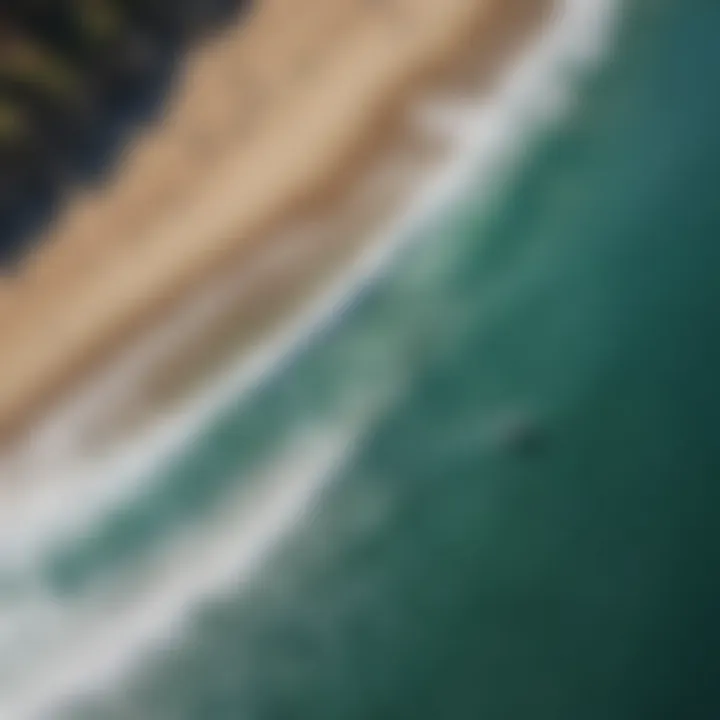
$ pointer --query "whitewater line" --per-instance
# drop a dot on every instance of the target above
(504, 131)
(533, 94)
(226, 554)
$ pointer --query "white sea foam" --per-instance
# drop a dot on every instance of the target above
(89, 644)
(537, 90)
(485, 136)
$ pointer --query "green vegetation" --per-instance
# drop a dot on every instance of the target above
(72, 69)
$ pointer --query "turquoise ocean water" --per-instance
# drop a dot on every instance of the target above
(360, 536)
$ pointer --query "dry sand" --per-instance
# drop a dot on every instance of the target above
(271, 122)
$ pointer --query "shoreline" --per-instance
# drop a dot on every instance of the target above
(39, 368)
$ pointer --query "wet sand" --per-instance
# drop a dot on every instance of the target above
(273, 124)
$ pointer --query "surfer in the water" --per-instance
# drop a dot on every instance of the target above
(518, 433)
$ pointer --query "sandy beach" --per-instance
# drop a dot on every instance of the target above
(271, 125)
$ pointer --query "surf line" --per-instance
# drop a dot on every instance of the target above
(503, 125)
(534, 92)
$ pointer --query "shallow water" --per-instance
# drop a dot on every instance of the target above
(367, 533)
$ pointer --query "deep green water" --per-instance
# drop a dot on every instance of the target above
(444, 573)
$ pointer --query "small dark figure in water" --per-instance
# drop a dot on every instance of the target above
(518, 433)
